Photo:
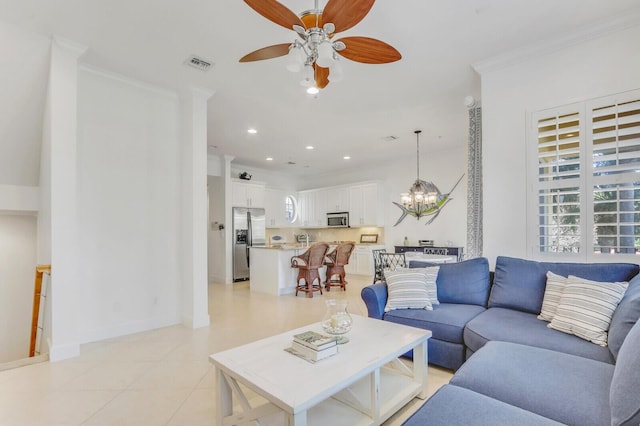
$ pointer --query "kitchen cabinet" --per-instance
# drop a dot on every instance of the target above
(361, 260)
(312, 207)
(275, 208)
(365, 205)
(337, 199)
(247, 194)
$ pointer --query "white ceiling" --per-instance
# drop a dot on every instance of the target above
(439, 40)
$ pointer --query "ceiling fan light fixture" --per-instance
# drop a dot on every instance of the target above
(315, 45)
(308, 76)
(325, 54)
(313, 90)
(336, 70)
(295, 58)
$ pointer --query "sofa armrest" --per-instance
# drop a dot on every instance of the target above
(375, 297)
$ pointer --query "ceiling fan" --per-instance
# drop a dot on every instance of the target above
(315, 51)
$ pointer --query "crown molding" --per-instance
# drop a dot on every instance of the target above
(128, 80)
(557, 43)
(74, 48)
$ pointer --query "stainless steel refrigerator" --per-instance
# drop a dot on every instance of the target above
(248, 230)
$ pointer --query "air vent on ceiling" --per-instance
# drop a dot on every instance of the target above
(390, 138)
(198, 63)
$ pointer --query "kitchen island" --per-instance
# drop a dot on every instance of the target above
(271, 270)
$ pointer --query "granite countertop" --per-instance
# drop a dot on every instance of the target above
(285, 246)
(302, 246)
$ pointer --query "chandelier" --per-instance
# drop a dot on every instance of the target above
(422, 196)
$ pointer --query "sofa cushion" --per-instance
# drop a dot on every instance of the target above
(625, 316)
(566, 388)
(453, 405)
(586, 307)
(624, 396)
(521, 327)
(552, 294)
(446, 321)
(464, 282)
(407, 290)
(519, 283)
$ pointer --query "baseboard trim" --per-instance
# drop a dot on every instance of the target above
(24, 362)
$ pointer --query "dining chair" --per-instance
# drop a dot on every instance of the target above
(392, 261)
(378, 274)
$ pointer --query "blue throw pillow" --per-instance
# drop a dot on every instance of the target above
(464, 282)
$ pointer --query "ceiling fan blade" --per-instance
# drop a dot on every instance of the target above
(321, 76)
(369, 50)
(344, 14)
(275, 12)
(267, 53)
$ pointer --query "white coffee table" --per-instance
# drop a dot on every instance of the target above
(364, 384)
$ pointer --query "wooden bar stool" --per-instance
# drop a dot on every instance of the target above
(335, 261)
(308, 264)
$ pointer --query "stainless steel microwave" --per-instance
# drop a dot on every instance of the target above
(338, 220)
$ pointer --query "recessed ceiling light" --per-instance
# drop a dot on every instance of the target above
(309, 147)
(313, 90)
(269, 159)
(252, 131)
(346, 157)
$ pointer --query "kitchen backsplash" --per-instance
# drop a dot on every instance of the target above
(339, 234)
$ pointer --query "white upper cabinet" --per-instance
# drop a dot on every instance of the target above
(247, 194)
(275, 208)
(365, 205)
(337, 199)
(312, 208)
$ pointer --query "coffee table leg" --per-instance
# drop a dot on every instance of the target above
(420, 368)
(224, 398)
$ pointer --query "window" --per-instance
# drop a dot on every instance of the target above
(585, 175)
(290, 208)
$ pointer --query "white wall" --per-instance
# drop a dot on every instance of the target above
(19, 198)
(598, 67)
(17, 272)
(128, 200)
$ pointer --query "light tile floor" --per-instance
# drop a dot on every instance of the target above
(163, 377)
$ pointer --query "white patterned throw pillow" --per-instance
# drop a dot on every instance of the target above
(552, 293)
(406, 289)
(586, 307)
(430, 277)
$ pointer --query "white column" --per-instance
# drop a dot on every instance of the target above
(60, 130)
(195, 310)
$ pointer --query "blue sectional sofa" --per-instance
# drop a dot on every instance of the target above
(517, 370)
(463, 291)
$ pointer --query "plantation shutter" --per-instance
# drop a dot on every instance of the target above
(558, 183)
(586, 183)
(615, 189)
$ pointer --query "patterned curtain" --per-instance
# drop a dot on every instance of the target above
(474, 182)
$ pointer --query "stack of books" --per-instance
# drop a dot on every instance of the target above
(313, 346)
